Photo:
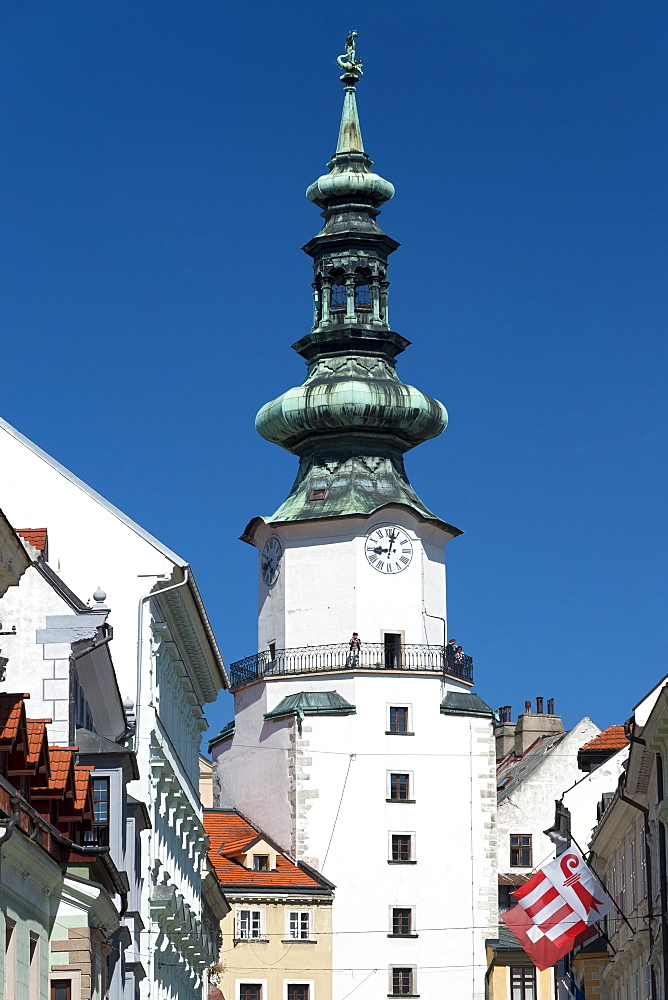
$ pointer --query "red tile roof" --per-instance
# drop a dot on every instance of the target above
(82, 785)
(61, 760)
(37, 743)
(229, 833)
(36, 537)
(12, 719)
(612, 738)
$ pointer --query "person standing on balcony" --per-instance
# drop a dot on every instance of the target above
(354, 654)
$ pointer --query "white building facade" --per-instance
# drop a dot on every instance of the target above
(168, 666)
(373, 763)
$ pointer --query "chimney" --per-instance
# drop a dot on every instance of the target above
(550, 706)
(504, 733)
(530, 727)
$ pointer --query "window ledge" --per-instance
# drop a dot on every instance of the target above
(299, 941)
(402, 936)
(406, 802)
(391, 862)
(393, 996)
(253, 940)
(388, 732)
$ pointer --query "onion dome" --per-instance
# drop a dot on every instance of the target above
(348, 394)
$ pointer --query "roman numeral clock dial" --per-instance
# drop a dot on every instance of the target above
(270, 561)
(388, 549)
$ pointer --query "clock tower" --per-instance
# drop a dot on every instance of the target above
(370, 760)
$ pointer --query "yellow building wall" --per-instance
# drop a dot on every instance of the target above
(499, 982)
(278, 960)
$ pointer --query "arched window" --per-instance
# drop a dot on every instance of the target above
(338, 299)
(363, 295)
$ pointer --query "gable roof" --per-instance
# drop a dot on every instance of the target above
(465, 703)
(36, 536)
(312, 703)
(513, 770)
(230, 834)
(154, 542)
(612, 738)
(13, 724)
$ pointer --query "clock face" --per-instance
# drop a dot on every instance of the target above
(270, 561)
(388, 549)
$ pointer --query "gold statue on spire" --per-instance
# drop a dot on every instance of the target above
(348, 62)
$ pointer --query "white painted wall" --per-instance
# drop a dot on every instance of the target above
(582, 799)
(327, 589)
(529, 807)
(91, 545)
(321, 793)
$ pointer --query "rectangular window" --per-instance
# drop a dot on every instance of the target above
(10, 958)
(33, 970)
(61, 989)
(643, 865)
(402, 847)
(399, 787)
(622, 882)
(260, 862)
(250, 991)
(299, 925)
(632, 873)
(249, 924)
(99, 835)
(402, 921)
(298, 991)
(522, 982)
(398, 719)
(520, 851)
(401, 982)
(613, 893)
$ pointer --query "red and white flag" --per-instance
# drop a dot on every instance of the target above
(556, 909)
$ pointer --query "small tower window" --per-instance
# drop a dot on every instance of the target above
(363, 296)
(338, 296)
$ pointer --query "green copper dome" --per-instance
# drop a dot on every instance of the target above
(352, 394)
(352, 419)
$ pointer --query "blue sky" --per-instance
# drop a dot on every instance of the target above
(153, 165)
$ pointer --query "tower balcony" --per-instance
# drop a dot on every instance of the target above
(338, 656)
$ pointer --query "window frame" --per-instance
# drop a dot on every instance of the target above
(410, 797)
(261, 936)
(401, 861)
(302, 911)
(250, 981)
(523, 970)
(520, 848)
(294, 981)
(257, 867)
(391, 707)
(73, 976)
(412, 971)
(394, 908)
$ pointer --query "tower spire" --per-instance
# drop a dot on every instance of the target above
(350, 133)
(352, 419)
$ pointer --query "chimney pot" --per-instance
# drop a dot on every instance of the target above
(527, 707)
(539, 706)
(550, 706)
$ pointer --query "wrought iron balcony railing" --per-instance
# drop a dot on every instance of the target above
(371, 656)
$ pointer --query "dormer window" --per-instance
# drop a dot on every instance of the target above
(362, 296)
(260, 862)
